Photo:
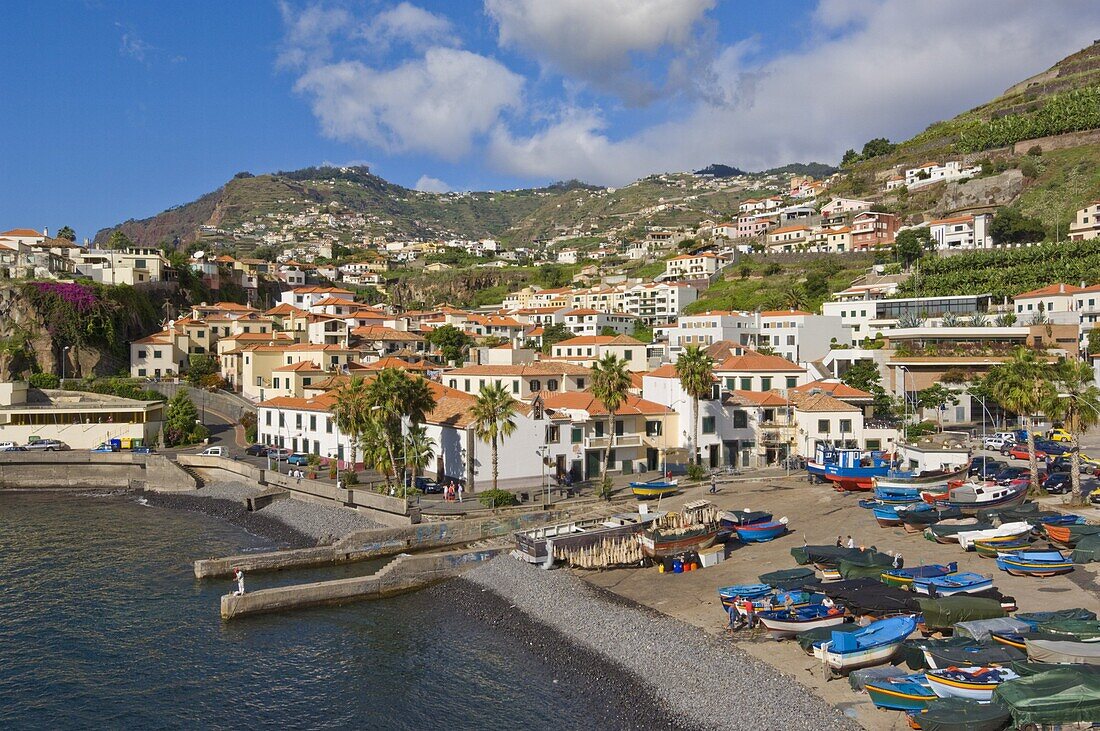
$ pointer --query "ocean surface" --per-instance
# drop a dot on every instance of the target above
(102, 625)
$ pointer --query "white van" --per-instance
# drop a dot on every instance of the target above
(999, 440)
(213, 452)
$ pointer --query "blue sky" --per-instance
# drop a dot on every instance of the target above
(122, 109)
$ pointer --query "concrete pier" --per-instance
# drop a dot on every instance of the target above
(405, 573)
(80, 470)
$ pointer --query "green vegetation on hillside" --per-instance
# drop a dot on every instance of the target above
(1068, 180)
(1070, 111)
(1005, 272)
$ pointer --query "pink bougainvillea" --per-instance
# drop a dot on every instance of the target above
(81, 297)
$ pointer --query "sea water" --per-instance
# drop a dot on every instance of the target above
(103, 625)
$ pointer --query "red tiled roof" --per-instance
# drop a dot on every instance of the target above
(757, 362)
(1053, 289)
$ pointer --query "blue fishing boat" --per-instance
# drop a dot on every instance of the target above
(653, 488)
(907, 693)
(742, 591)
(1035, 563)
(887, 515)
(823, 457)
(854, 469)
(951, 584)
(787, 622)
(797, 598)
(761, 532)
(730, 519)
(903, 578)
(875, 644)
(898, 495)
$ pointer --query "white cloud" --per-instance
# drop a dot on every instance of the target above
(309, 32)
(428, 184)
(438, 103)
(597, 41)
(408, 23)
(889, 68)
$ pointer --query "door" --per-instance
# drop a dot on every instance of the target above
(652, 458)
(592, 465)
(628, 467)
(712, 451)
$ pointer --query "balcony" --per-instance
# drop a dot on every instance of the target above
(627, 440)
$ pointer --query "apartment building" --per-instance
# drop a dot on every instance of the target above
(522, 380)
(800, 336)
(962, 232)
(1086, 224)
(872, 229)
(125, 266)
(587, 349)
(692, 266)
(706, 328)
(587, 321)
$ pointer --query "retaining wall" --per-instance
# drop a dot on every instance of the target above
(223, 402)
(405, 573)
(382, 508)
(79, 470)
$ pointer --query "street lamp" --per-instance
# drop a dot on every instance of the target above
(64, 357)
(543, 450)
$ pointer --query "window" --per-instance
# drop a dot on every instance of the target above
(141, 353)
(740, 420)
(515, 386)
(481, 384)
(577, 435)
(765, 383)
(313, 422)
(141, 371)
(599, 428)
(466, 385)
(580, 384)
(628, 355)
(552, 385)
(653, 428)
(792, 381)
(536, 385)
(708, 424)
(822, 426)
(156, 353)
(297, 421)
(746, 383)
(790, 340)
(619, 427)
(874, 444)
(282, 419)
(553, 434)
(328, 425)
(845, 426)
(268, 420)
(259, 381)
(274, 382)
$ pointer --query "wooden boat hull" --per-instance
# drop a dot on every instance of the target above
(660, 547)
(947, 687)
(1016, 566)
(992, 550)
(903, 578)
(906, 695)
(932, 589)
(760, 532)
(848, 661)
(650, 490)
(921, 482)
(779, 628)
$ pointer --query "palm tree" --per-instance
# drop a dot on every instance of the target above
(419, 449)
(349, 410)
(1022, 385)
(372, 441)
(611, 385)
(494, 414)
(1077, 403)
(393, 395)
(794, 297)
(696, 371)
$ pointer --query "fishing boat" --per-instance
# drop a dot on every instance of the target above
(1005, 532)
(1035, 563)
(728, 594)
(787, 622)
(949, 585)
(970, 497)
(761, 532)
(535, 545)
(915, 518)
(971, 654)
(875, 644)
(903, 578)
(854, 470)
(960, 714)
(897, 495)
(1015, 640)
(907, 693)
(974, 682)
(694, 528)
(1067, 536)
(655, 488)
(928, 480)
(743, 517)
(947, 531)
(823, 457)
(887, 515)
(1063, 652)
(992, 550)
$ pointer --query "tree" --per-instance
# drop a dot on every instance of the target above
(451, 342)
(119, 240)
(850, 157)
(201, 366)
(607, 330)
(1012, 227)
(910, 244)
(554, 334)
(877, 146)
(419, 449)
(696, 371)
(793, 297)
(349, 410)
(1022, 385)
(180, 421)
(1076, 402)
(1094, 341)
(394, 395)
(611, 385)
(816, 285)
(938, 397)
(864, 375)
(494, 419)
(66, 233)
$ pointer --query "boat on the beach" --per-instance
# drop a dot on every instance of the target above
(897, 495)
(886, 516)
(928, 480)
(903, 578)
(786, 622)
(949, 585)
(960, 714)
(974, 682)
(1035, 563)
(1036, 619)
(947, 531)
(1063, 652)
(655, 488)
(728, 594)
(994, 549)
(971, 497)
(1006, 532)
(733, 518)
(787, 579)
(761, 532)
(915, 518)
(853, 470)
(694, 528)
(533, 545)
(907, 693)
(1067, 536)
(974, 653)
(1064, 696)
(874, 644)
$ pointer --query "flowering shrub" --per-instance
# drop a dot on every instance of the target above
(80, 314)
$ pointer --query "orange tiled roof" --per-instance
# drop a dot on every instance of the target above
(785, 313)
(839, 389)
(757, 362)
(1053, 289)
(585, 401)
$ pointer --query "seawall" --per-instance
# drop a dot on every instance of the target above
(405, 573)
(79, 470)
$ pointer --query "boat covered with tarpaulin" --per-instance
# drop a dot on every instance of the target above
(982, 629)
(975, 653)
(1067, 536)
(833, 555)
(946, 612)
(962, 714)
(947, 531)
(1059, 695)
(1063, 652)
(1059, 615)
(1087, 550)
(786, 579)
(869, 596)
(915, 518)
(912, 650)
(1004, 532)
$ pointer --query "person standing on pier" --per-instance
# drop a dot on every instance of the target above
(239, 575)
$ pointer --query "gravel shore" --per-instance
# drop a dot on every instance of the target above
(288, 522)
(695, 680)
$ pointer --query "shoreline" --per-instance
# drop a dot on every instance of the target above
(687, 676)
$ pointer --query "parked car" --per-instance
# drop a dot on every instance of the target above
(1008, 474)
(1064, 464)
(106, 447)
(995, 442)
(257, 450)
(47, 445)
(279, 453)
(1019, 451)
(1094, 497)
(1058, 483)
(1052, 448)
(14, 448)
(7, 445)
(985, 467)
(298, 459)
(213, 452)
(143, 450)
(427, 486)
(1059, 435)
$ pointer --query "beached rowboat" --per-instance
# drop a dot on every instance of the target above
(1035, 563)
(787, 622)
(903, 578)
(964, 583)
(875, 644)
(975, 682)
(653, 488)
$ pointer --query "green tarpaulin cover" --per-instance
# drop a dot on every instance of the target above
(1087, 550)
(1059, 695)
(912, 651)
(944, 612)
(833, 555)
(961, 714)
(1037, 618)
(1075, 630)
(787, 578)
(855, 570)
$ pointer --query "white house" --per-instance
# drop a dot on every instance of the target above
(800, 336)
(841, 206)
(933, 172)
(962, 232)
(691, 266)
(1086, 224)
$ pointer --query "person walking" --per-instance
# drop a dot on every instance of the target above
(713, 484)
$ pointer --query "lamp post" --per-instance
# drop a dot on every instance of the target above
(543, 450)
(64, 357)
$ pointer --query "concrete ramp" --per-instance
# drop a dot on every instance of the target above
(403, 574)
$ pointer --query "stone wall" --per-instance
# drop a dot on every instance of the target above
(1059, 142)
(90, 470)
(224, 403)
